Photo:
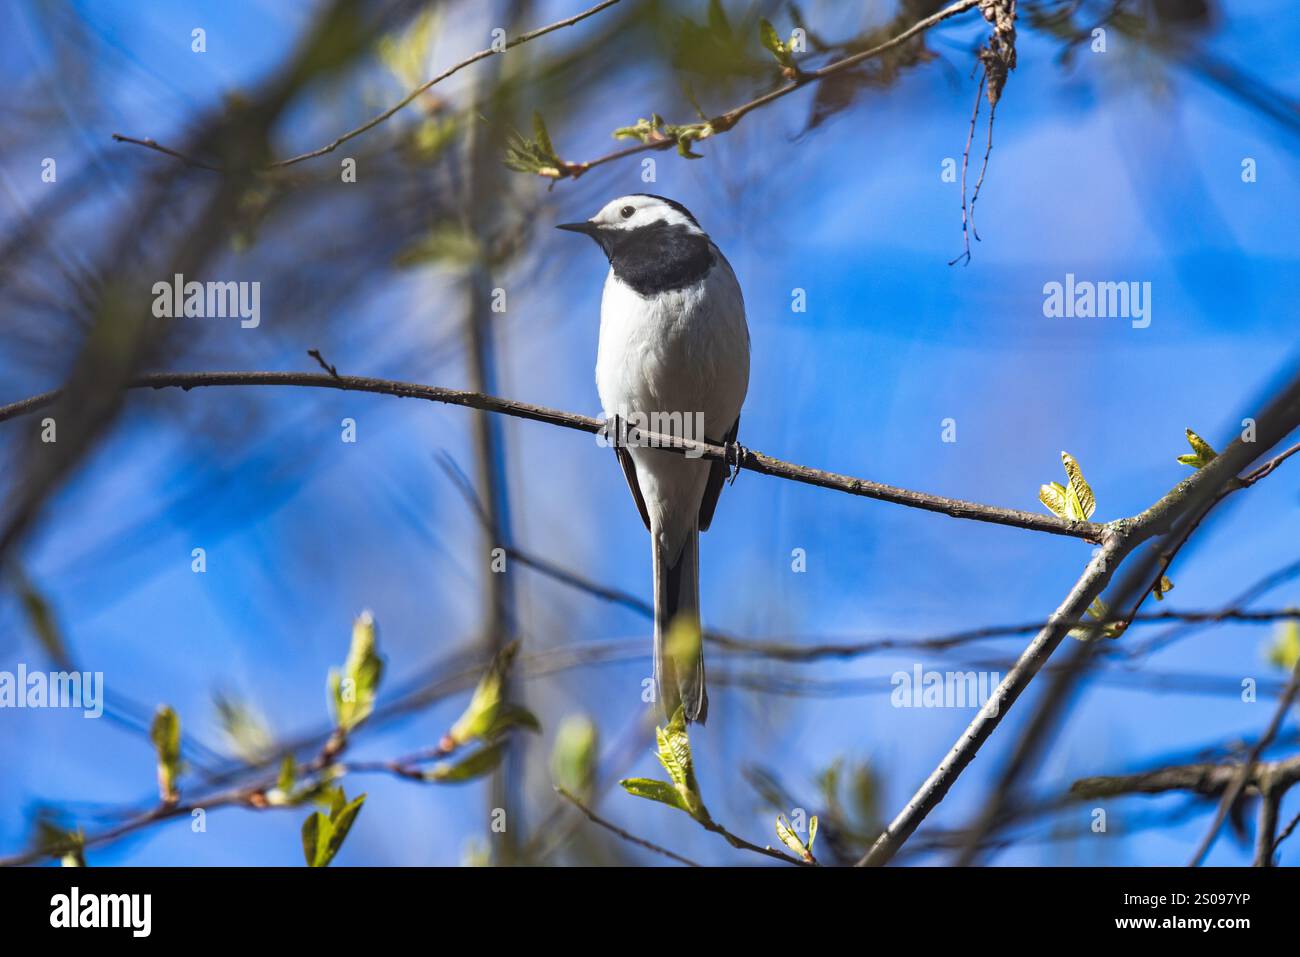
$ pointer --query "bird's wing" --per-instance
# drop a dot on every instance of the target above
(717, 476)
(629, 472)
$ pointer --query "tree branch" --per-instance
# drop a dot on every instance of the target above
(725, 121)
(1174, 516)
(1243, 775)
(749, 459)
(395, 108)
(1209, 780)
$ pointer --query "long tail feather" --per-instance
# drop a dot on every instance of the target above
(679, 673)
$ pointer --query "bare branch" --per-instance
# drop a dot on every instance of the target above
(726, 121)
(749, 459)
(1243, 775)
(395, 108)
(615, 829)
(1209, 780)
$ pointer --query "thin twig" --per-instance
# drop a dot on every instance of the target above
(967, 213)
(1270, 800)
(1247, 768)
(744, 845)
(984, 168)
(1205, 779)
(315, 354)
(615, 829)
(401, 104)
(1286, 832)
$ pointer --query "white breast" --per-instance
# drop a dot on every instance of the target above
(685, 351)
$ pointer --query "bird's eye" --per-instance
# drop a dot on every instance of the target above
(627, 211)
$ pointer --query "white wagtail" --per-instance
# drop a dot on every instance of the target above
(674, 356)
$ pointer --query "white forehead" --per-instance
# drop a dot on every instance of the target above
(645, 210)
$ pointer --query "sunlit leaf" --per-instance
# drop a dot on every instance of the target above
(353, 689)
(573, 758)
(484, 713)
(1053, 496)
(165, 733)
(535, 155)
(772, 42)
(1099, 612)
(1202, 452)
(322, 836)
(791, 840)
(652, 790)
(674, 752)
(1285, 650)
(483, 761)
(55, 841)
(1079, 500)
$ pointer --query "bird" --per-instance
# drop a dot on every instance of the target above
(673, 355)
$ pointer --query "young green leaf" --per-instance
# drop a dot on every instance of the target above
(488, 715)
(1079, 500)
(1053, 496)
(653, 790)
(68, 846)
(353, 689)
(1099, 612)
(244, 727)
(643, 130)
(573, 758)
(674, 753)
(165, 733)
(1162, 588)
(1285, 650)
(791, 840)
(483, 761)
(323, 836)
(1202, 452)
(541, 136)
(772, 42)
(675, 756)
(535, 155)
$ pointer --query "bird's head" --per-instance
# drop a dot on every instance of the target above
(628, 214)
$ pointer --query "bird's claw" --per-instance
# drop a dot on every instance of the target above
(613, 432)
(734, 458)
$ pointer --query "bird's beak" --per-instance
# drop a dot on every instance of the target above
(587, 227)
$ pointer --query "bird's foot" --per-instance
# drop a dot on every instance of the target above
(613, 434)
(734, 458)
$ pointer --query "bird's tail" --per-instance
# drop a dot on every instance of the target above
(679, 652)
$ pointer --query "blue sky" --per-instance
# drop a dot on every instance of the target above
(1113, 169)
